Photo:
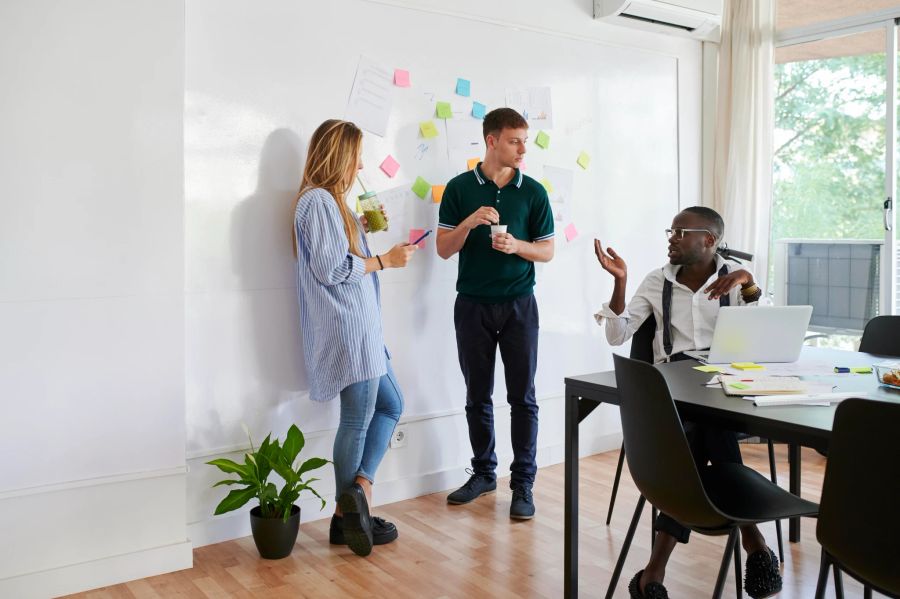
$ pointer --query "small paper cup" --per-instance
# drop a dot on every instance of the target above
(497, 229)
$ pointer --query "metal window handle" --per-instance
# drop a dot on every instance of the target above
(888, 215)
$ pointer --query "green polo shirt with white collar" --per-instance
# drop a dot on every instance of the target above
(485, 274)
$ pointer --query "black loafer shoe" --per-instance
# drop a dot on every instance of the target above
(357, 521)
(762, 578)
(653, 590)
(383, 532)
(522, 505)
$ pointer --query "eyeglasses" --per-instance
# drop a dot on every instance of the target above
(679, 233)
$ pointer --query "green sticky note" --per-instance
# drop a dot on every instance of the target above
(542, 140)
(861, 370)
(707, 368)
(421, 187)
(739, 386)
(444, 111)
(583, 160)
(547, 185)
(428, 129)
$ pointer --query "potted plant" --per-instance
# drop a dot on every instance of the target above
(276, 520)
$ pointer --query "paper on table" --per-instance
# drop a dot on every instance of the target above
(761, 385)
(814, 399)
(801, 368)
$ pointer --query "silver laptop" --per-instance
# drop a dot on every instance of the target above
(757, 334)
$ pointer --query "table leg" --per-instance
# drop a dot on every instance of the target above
(794, 460)
(570, 560)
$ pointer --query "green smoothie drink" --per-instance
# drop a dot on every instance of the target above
(371, 208)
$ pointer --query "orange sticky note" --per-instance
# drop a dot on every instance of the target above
(437, 193)
(472, 162)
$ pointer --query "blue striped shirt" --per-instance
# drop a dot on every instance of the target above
(340, 306)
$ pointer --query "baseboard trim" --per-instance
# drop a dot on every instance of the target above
(219, 529)
(75, 578)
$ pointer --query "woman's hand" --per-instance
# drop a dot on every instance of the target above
(399, 255)
(610, 261)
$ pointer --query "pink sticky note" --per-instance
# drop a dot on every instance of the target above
(571, 232)
(390, 166)
(401, 78)
(415, 234)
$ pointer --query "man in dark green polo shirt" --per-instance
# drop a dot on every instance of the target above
(495, 304)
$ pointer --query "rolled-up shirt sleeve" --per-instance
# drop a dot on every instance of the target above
(621, 327)
(322, 231)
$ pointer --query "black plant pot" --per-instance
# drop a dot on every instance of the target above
(274, 537)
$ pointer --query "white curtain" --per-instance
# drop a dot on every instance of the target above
(742, 169)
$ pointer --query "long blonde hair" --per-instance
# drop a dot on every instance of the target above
(331, 165)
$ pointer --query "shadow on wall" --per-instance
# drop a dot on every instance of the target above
(263, 259)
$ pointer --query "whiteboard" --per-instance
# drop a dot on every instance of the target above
(618, 105)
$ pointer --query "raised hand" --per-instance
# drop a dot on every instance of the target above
(726, 283)
(610, 261)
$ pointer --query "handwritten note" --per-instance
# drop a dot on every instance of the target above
(571, 232)
(370, 98)
(583, 160)
(542, 140)
(478, 110)
(437, 193)
(401, 78)
(421, 187)
(444, 110)
(428, 129)
(390, 166)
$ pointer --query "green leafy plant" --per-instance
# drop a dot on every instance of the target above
(253, 475)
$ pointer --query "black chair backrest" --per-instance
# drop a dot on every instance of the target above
(858, 521)
(642, 341)
(657, 451)
(881, 336)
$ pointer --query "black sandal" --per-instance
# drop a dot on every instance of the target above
(762, 578)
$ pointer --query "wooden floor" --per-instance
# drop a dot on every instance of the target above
(476, 551)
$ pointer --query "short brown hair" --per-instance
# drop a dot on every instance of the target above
(502, 118)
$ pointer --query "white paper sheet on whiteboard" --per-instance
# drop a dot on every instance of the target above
(371, 97)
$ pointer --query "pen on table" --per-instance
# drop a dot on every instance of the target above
(424, 235)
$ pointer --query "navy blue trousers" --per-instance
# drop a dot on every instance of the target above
(480, 330)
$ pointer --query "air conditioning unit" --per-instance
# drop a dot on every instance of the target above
(698, 19)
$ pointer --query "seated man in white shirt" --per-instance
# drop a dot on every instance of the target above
(684, 297)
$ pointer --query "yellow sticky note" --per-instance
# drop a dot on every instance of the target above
(861, 369)
(428, 129)
(444, 110)
(547, 185)
(707, 368)
(747, 366)
(583, 160)
(437, 193)
(472, 162)
(542, 140)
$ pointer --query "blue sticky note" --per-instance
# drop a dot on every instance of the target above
(462, 87)
(478, 110)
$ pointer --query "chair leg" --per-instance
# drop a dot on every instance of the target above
(653, 514)
(838, 583)
(726, 561)
(774, 477)
(737, 564)
(824, 564)
(615, 489)
(867, 592)
(625, 546)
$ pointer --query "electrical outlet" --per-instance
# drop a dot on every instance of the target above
(399, 437)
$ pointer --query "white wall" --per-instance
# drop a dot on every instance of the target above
(91, 294)
(257, 82)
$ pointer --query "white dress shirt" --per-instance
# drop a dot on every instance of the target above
(693, 314)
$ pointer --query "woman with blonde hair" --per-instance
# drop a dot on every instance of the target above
(340, 315)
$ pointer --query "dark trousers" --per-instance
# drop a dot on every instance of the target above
(480, 329)
(709, 445)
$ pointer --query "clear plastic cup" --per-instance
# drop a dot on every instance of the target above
(497, 229)
(371, 208)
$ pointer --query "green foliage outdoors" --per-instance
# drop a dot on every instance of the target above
(253, 476)
(829, 148)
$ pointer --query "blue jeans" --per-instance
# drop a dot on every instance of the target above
(369, 411)
(513, 327)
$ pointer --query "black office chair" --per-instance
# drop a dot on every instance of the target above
(862, 485)
(713, 499)
(881, 336)
(642, 349)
